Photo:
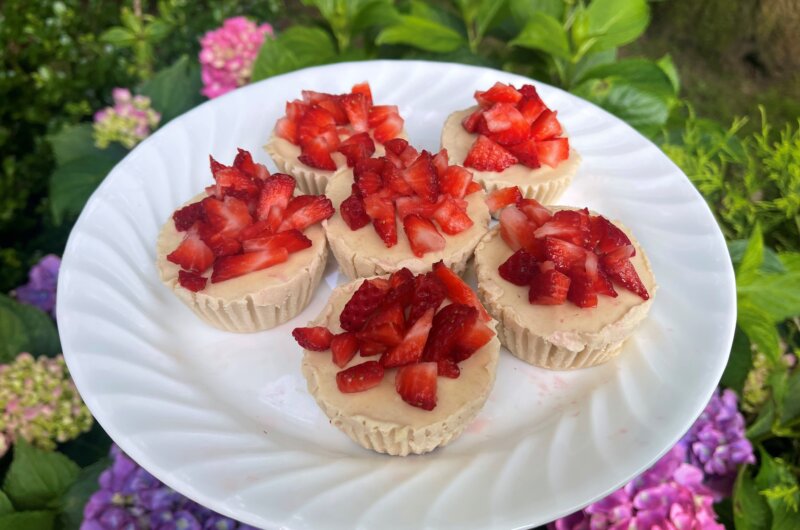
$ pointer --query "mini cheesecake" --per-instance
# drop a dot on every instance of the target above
(567, 287)
(247, 254)
(424, 383)
(325, 133)
(509, 139)
(404, 210)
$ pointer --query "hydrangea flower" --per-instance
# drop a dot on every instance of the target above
(128, 122)
(40, 291)
(39, 402)
(227, 54)
(130, 497)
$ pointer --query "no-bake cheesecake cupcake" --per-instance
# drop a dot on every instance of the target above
(567, 286)
(323, 133)
(401, 363)
(511, 138)
(406, 209)
(247, 254)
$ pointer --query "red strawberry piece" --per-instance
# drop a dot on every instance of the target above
(441, 161)
(531, 108)
(624, 273)
(516, 230)
(564, 254)
(276, 192)
(186, 216)
(410, 349)
(369, 183)
(458, 291)
(528, 91)
(343, 348)
(506, 124)
(393, 177)
(291, 240)
(452, 217)
(353, 213)
(401, 287)
(314, 121)
(486, 155)
(598, 277)
(295, 110)
(448, 368)
(473, 187)
(546, 126)
(608, 236)
(416, 384)
(363, 88)
(371, 165)
(502, 197)
(368, 349)
(319, 209)
(422, 235)
(316, 338)
(536, 213)
(317, 153)
(231, 180)
(470, 123)
(421, 176)
(360, 377)
(379, 113)
(552, 152)
(549, 288)
(258, 229)
(357, 110)
(244, 163)
(220, 243)
(386, 325)
(581, 289)
(334, 106)
(429, 293)
(448, 325)
(311, 96)
(454, 180)
(228, 267)
(382, 212)
(519, 268)
(526, 153)
(191, 281)
(357, 147)
(396, 146)
(228, 216)
(388, 128)
(415, 205)
(471, 340)
(569, 225)
(215, 166)
(361, 305)
(499, 93)
(296, 203)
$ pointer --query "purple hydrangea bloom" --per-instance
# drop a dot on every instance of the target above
(130, 498)
(40, 291)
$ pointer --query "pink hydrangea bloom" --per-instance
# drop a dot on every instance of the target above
(227, 54)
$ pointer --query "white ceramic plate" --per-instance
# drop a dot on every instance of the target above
(226, 419)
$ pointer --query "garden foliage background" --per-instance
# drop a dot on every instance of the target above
(715, 84)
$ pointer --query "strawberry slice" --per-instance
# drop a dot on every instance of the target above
(386, 326)
(372, 165)
(187, 216)
(536, 213)
(389, 128)
(311, 97)
(546, 126)
(220, 243)
(393, 177)
(429, 293)
(607, 235)
(422, 235)
(549, 287)
(295, 109)
(379, 113)
(473, 187)
(244, 163)
(287, 129)
(624, 273)
(363, 89)
(215, 166)
(361, 305)
(458, 291)
(316, 338)
(369, 182)
(410, 350)
(416, 384)
(191, 281)
(564, 254)
(441, 161)
(382, 212)
(360, 377)
(344, 347)
(368, 349)
(276, 192)
(516, 230)
(291, 240)
(318, 209)
(421, 176)
(401, 287)
(453, 180)
(415, 205)
(486, 155)
(598, 277)
(506, 124)
(448, 368)
(334, 106)
(316, 152)
(526, 153)
(519, 268)
(314, 121)
(228, 216)
(531, 107)
(569, 225)
(449, 324)
(552, 152)
(357, 110)
(452, 216)
(581, 289)
(394, 151)
(499, 93)
(233, 181)
(357, 147)
(353, 213)
(471, 122)
(471, 340)
(502, 197)
(228, 267)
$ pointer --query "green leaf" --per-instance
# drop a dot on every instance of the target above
(157, 31)
(36, 478)
(543, 32)
(175, 89)
(591, 61)
(73, 142)
(642, 109)
(379, 13)
(790, 260)
(77, 495)
(38, 520)
(739, 363)
(486, 16)
(5, 504)
(760, 329)
(777, 483)
(613, 23)
(295, 48)
(791, 401)
(522, 10)
(750, 509)
(118, 36)
(753, 258)
(73, 183)
(89, 447)
(776, 294)
(41, 336)
(13, 336)
(668, 67)
(762, 425)
(643, 74)
(772, 261)
(421, 33)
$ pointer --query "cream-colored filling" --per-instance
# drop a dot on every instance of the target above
(272, 278)
(458, 143)
(366, 242)
(383, 404)
(546, 320)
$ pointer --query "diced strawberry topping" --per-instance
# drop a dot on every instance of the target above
(353, 213)
(416, 384)
(552, 152)
(410, 349)
(363, 303)
(244, 163)
(473, 187)
(624, 273)
(394, 181)
(564, 254)
(472, 121)
(368, 349)
(519, 268)
(401, 287)
(458, 291)
(597, 276)
(502, 197)
(192, 254)
(526, 153)
(454, 180)
(452, 217)
(227, 216)
(382, 212)
(549, 288)
(227, 267)
(191, 280)
(581, 289)
(379, 113)
(441, 161)
(608, 236)
(369, 183)
(499, 93)
(486, 155)
(546, 126)
(292, 240)
(569, 225)
(357, 147)
(287, 129)
(536, 213)
(449, 324)
(415, 205)
(472, 339)
(516, 230)
(396, 146)
(363, 89)
(421, 176)
(317, 153)
(360, 377)
(506, 124)
(276, 192)
(343, 348)
(187, 216)
(531, 108)
(315, 338)
(422, 235)
(386, 326)
(319, 209)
